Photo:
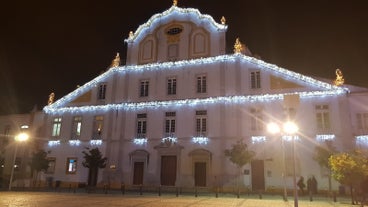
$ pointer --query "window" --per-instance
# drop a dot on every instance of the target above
(97, 127)
(102, 91)
(51, 167)
(256, 119)
(201, 123)
(144, 88)
(76, 127)
(141, 125)
(71, 165)
(362, 121)
(201, 84)
(170, 124)
(255, 79)
(322, 117)
(171, 86)
(56, 127)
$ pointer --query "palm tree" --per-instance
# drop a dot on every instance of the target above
(93, 160)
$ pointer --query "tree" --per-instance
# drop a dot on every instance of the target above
(349, 169)
(39, 162)
(321, 156)
(93, 160)
(240, 156)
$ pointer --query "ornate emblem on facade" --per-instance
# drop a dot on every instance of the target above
(51, 98)
(238, 46)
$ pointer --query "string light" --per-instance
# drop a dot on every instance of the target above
(140, 141)
(179, 14)
(324, 137)
(53, 143)
(258, 139)
(59, 107)
(361, 140)
(200, 140)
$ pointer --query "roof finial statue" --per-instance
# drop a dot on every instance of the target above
(339, 78)
(51, 98)
(116, 61)
(175, 2)
(238, 47)
(223, 20)
(131, 34)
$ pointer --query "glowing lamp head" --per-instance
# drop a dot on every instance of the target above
(290, 127)
(273, 128)
(22, 137)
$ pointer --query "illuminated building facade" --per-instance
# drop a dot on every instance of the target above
(167, 116)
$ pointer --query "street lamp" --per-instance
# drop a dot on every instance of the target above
(289, 128)
(19, 138)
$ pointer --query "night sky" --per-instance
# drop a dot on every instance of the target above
(53, 46)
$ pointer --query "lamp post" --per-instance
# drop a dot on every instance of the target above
(289, 128)
(19, 138)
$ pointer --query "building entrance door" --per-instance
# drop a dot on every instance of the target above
(168, 170)
(258, 179)
(200, 174)
(138, 173)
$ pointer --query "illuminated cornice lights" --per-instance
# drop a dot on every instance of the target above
(57, 107)
(169, 139)
(324, 137)
(74, 142)
(95, 142)
(179, 14)
(258, 139)
(53, 143)
(200, 140)
(362, 139)
(289, 138)
(140, 141)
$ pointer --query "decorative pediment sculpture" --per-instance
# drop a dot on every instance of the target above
(339, 78)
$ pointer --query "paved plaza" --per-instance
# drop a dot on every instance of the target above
(70, 199)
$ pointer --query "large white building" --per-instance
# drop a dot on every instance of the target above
(168, 115)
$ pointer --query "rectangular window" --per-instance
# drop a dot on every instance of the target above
(323, 117)
(201, 123)
(362, 121)
(256, 119)
(170, 124)
(71, 165)
(141, 125)
(76, 127)
(171, 86)
(51, 167)
(97, 127)
(201, 84)
(144, 88)
(101, 91)
(56, 127)
(255, 79)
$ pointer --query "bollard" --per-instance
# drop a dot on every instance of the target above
(141, 189)
(196, 192)
(105, 188)
(260, 195)
(310, 196)
(334, 196)
(122, 188)
(177, 192)
(217, 190)
(159, 190)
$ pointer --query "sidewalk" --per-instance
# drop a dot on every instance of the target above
(61, 199)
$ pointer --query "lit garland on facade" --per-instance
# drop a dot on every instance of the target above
(181, 14)
(258, 139)
(58, 106)
(95, 142)
(289, 138)
(53, 143)
(362, 139)
(170, 139)
(140, 141)
(324, 137)
(74, 142)
(200, 140)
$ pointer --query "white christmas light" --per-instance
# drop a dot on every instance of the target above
(74, 142)
(324, 137)
(59, 107)
(53, 143)
(95, 142)
(179, 14)
(169, 139)
(289, 138)
(258, 139)
(140, 141)
(200, 140)
(361, 140)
